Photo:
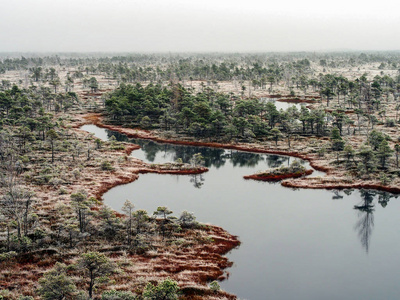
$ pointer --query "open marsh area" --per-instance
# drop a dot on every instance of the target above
(175, 135)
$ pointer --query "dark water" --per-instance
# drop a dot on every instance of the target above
(296, 244)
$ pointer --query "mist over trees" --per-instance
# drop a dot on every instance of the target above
(349, 118)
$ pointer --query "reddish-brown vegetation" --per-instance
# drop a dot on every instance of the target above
(338, 185)
(96, 119)
(192, 257)
(129, 148)
(119, 180)
(316, 162)
(191, 171)
(275, 177)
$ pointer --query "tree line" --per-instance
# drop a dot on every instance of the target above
(217, 116)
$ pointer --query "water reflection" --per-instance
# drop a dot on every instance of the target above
(336, 195)
(365, 209)
(384, 198)
(218, 158)
(282, 104)
(365, 221)
(213, 157)
(246, 159)
(197, 180)
(151, 150)
(294, 243)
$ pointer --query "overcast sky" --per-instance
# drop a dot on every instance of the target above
(197, 26)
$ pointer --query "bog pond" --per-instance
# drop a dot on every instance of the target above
(296, 244)
(283, 104)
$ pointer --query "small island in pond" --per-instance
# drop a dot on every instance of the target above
(338, 111)
(295, 170)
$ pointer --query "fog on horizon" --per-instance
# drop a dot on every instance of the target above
(197, 26)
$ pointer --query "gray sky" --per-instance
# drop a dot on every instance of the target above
(191, 25)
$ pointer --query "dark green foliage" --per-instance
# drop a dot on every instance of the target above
(110, 224)
(375, 138)
(93, 84)
(214, 286)
(26, 298)
(397, 152)
(27, 121)
(276, 135)
(106, 166)
(118, 295)
(95, 266)
(390, 123)
(166, 290)
(165, 225)
(367, 163)
(336, 140)
(383, 153)
(163, 212)
(349, 153)
(137, 101)
(206, 114)
(187, 220)
(56, 284)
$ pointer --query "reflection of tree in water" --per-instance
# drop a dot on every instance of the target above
(336, 195)
(118, 136)
(211, 156)
(197, 180)
(150, 149)
(365, 209)
(275, 161)
(384, 198)
(364, 227)
(215, 157)
(365, 222)
(247, 159)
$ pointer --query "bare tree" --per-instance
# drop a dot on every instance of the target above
(16, 206)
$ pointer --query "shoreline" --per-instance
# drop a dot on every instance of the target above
(336, 182)
(276, 178)
(197, 258)
(208, 253)
(95, 119)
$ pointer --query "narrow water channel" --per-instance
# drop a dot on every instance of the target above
(296, 244)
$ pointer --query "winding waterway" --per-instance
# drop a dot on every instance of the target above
(296, 244)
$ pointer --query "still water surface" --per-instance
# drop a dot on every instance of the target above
(296, 244)
(282, 104)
